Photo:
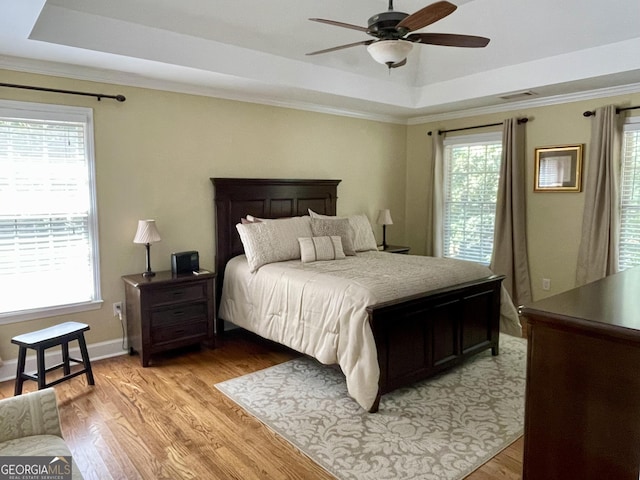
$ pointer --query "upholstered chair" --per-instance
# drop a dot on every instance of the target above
(30, 426)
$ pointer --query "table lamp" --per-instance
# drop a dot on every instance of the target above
(147, 234)
(384, 219)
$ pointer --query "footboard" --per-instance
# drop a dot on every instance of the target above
(421, 335)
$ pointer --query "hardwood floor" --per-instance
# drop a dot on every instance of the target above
(168, 421)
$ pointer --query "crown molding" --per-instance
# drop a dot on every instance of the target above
(531, 103)
(75, 72)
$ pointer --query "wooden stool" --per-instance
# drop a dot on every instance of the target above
(40, 340)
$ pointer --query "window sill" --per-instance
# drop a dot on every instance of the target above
(24, 315)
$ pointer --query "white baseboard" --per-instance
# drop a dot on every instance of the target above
(53, 356)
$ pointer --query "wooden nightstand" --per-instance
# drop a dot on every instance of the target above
(169, 311)
(396, 249)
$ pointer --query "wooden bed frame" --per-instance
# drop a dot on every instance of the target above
(417, 336)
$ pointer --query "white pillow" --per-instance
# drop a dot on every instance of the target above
(269, 242)
(319, 215)
(313, 249)
(322, 227)
(363, 238)
(252, 219)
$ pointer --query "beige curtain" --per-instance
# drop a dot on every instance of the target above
(509, 256)
(598, 253)
(437, 208)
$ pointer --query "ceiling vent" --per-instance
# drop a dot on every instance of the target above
(518, 95)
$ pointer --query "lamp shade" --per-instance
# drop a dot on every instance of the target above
(389, 52)
(147, 232)
(384, 217)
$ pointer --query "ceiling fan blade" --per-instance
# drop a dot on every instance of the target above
(333, 49)
(339, 24)
(449, 39)
(399, 64)
(427, 15)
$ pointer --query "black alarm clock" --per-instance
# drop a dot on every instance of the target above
(185, 262)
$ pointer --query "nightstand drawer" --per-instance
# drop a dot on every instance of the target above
(179, 332)
(184, 293)
(178, 314)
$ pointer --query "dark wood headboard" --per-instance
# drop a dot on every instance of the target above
(236, 198)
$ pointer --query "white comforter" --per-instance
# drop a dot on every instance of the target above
(319, 308)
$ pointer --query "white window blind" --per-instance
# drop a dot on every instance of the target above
(472, 170)
(48, 240)
(629, 255)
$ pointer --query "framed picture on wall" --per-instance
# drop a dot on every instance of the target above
(558, 169)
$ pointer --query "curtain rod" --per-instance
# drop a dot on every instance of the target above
(591, 113)
(440, 132)
(99, 96)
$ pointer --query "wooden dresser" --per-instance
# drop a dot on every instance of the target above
(582, 412)
(168, 311)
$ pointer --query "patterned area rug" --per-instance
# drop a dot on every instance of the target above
(441, 428)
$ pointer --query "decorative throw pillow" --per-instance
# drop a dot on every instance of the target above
(269, 242)
(314, 249)
(363, 238)
(322, 227)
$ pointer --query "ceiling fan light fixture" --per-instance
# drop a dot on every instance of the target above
(389, 52)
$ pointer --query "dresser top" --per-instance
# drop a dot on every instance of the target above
(610, 303)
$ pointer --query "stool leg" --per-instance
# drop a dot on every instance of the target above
(42, 380)
(85, 359)
(65, 358)
(22, 354)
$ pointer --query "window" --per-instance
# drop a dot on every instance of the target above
(471, 172)
(48, 228)
(629, 255)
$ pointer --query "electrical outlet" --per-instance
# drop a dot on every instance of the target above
(546, 284)
(117, 309)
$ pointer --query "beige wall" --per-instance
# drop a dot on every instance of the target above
(156, 152)
(554, 220)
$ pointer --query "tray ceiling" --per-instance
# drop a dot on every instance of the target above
(255, 50)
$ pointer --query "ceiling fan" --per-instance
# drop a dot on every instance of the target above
(394, 39)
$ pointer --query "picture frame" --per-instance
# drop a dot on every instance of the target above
(558, 169)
